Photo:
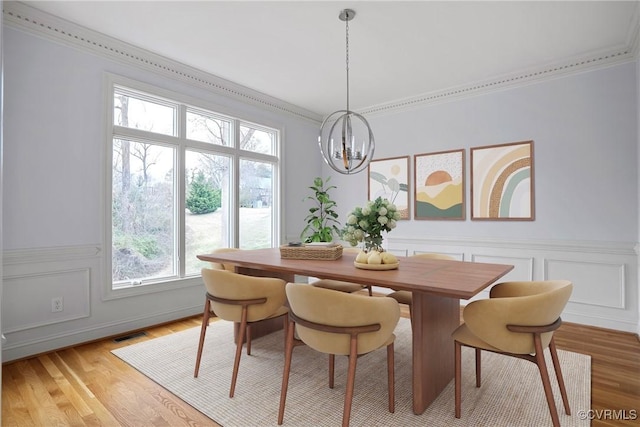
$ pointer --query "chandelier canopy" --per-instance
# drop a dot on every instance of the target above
(347, 145)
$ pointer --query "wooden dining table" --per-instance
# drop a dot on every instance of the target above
(436, 285)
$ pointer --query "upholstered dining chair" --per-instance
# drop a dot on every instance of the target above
(242, 299)
(518, 320)
(404, 297)
(225, 266)
(338, 323)
(339, 285)
(207, 315)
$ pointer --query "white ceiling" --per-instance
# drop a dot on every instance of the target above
(295, 50)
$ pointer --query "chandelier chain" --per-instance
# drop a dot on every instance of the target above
(347, 59)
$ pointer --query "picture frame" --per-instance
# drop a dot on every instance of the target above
(389, 178)
(440, 185)
(502, 182)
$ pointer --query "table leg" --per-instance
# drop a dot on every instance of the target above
(434, 318)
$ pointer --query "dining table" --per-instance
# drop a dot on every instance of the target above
(437, 286)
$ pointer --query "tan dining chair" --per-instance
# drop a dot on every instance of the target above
(338, 323)
(225, 266)
(243, 299)
(405, 297)
(339, 285)
(517, 320)
(207, 316)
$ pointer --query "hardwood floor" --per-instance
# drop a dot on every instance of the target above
(88, 386)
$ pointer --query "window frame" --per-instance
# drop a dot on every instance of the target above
(182, 145)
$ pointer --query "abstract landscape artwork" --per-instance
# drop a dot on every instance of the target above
(389, 179)
(502, 182)
(439, 185)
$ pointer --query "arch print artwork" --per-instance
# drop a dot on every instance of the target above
(502, 181)
(389, 179)
(439, 185)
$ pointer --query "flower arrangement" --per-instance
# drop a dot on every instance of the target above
(366, 224)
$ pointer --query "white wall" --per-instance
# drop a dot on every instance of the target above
(1, 210)
(585, 154)
(585, 132)
(585, 128)
(638, 136)
(55, 138)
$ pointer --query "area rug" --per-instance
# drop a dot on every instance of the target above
(511, 392)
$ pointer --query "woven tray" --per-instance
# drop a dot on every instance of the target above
(311, 252)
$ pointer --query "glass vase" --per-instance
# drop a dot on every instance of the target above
(372, 242)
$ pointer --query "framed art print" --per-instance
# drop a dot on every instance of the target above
(502, 182)
(439, 185)
(389, 178)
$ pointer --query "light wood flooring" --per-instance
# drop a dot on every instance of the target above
(87, 386)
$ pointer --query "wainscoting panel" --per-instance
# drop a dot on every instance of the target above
(31, 295)
(604, 274)
(33, 277)
(522, 270)
(594, 283)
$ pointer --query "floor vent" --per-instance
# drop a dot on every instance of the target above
(130, 336)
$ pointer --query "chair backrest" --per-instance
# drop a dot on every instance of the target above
(534, 303)
(223, 266)
(434, 256)
(328, 307)
(233, 286)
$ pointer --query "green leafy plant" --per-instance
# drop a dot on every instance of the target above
(322, 221)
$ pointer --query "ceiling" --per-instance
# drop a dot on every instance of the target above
(295, 50)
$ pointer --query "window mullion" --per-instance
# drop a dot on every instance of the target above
(182, 190)
(236, 184)
(137, 134)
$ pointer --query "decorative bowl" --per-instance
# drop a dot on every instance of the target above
(376, 266)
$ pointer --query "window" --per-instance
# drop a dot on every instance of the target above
(184, 180)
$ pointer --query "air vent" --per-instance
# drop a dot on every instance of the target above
(130, 336)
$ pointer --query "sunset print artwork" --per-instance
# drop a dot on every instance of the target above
(439, 186)
(502, 182)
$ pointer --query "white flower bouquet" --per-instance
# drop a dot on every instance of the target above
(366, 224)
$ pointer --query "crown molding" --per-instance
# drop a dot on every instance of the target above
(509, 81)
(19, 15)
(590, 61)
(633, 38)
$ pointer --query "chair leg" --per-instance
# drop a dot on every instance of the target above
(285, 328)
(457, 377)
(391, 377)
(542, 367)
(285, 373)
(556, 367)
(205, 322)
(370, 288)
(236, 362)
(478, 367)
(248, 340)
(332, 368)
(351, 379)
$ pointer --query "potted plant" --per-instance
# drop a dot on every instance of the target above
(322, 221)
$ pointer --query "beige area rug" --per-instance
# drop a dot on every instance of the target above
(511, 392)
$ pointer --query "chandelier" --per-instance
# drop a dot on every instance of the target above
(347, 146)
